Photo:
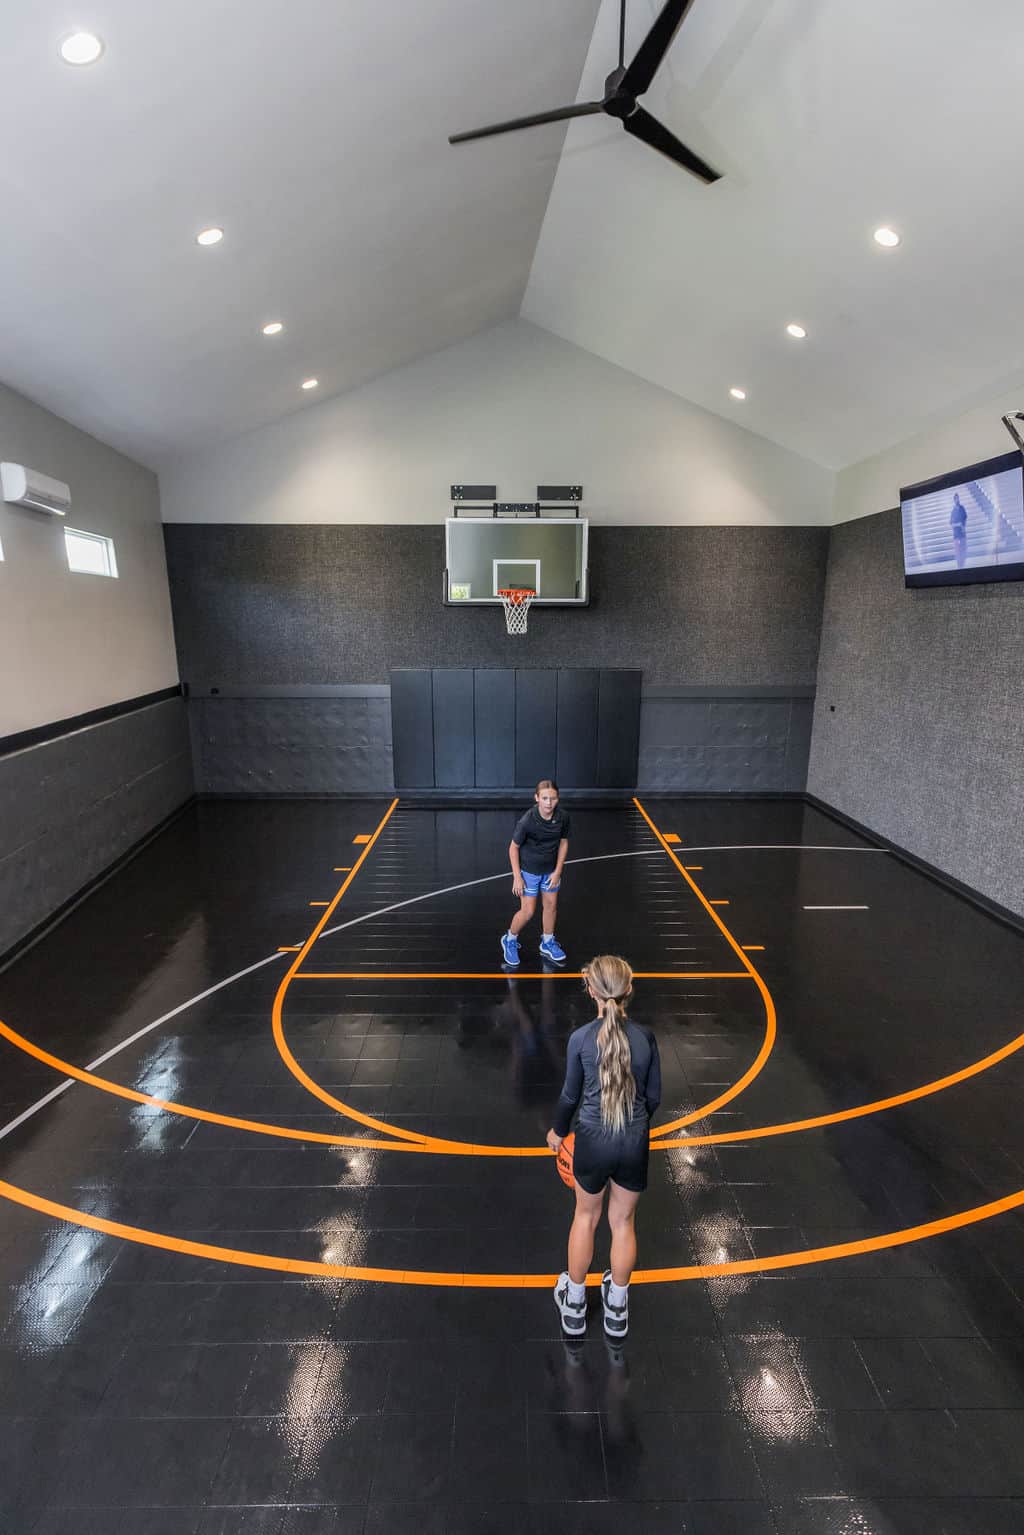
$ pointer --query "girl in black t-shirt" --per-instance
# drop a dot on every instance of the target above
(537, 852)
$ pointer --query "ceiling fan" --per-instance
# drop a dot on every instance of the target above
(621, 89)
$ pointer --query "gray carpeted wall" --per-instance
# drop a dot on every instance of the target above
(286, 634)
(919, 716)
(70, 807)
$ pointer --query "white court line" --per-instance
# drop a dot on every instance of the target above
(381, 911)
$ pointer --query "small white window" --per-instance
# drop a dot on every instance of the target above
(90, 553)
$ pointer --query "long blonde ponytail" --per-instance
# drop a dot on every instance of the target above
(611, 981)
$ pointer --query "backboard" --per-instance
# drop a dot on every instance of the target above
(547, 554)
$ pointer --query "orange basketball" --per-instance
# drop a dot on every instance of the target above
(563, 1161)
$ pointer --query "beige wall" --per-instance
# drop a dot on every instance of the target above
(514, 406)
(72, 643)
(874, 484)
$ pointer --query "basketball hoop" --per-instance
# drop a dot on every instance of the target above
(516, 602)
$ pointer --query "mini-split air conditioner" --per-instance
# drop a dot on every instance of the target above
(27, 487)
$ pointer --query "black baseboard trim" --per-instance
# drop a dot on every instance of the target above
(930, 870)
(232, 797)
(42, 929)
(42, 733)
(718, 794)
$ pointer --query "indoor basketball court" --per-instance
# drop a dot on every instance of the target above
(443, 542)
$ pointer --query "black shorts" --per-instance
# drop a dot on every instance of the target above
(623, 1158)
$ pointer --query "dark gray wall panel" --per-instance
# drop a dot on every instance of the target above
(334, 745)
(69, 808)
(454, 725)
(336, 603)
(618, 729)
(716, 745)
(576, 744)
(536, 742)
(798, 747)
(919, 724)
(412, 724)
(494, 695)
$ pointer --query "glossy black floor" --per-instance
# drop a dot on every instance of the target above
(150, 1389)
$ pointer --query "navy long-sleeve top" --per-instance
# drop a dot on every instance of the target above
(582, 1087)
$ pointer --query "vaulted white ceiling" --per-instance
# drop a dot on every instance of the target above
(315, 134)
(829, 118)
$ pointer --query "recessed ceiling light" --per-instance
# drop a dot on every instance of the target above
(210, 236)
(887, 237)
(274, 328)
(738, 394)
(310, 383)
(81, 48)
(798, 332)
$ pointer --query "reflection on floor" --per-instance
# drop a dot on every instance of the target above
(149, 1388)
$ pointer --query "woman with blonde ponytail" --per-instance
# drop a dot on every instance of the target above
(613, 1076)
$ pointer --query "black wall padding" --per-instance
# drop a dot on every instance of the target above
(454, 729)
(536, 725)
(459, 729)
(494, 694)
(412, 728)
(576, 753)
(618, 729)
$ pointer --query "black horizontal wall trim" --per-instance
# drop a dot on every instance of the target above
(288, 690)
(40, 733)
(956, 886)
(671, 690)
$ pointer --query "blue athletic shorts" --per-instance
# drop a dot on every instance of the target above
(532, 883)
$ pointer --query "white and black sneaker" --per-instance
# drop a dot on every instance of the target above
(616, 1318)
(573, 1313)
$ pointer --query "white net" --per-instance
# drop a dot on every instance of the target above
(516, 603)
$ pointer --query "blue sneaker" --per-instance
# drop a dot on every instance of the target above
(510, 949)
(552, 950)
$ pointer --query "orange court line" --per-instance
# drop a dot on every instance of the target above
(210, 1116)
(342, 868)
(363, 838)
(319, 1270)
(841, 1115)
(670, 836)
(719, 903)
(288, 948)
(437, 1143)
(277, 1025)
(770, 1020)
(753, 948)
(695, 868)
(261, 1127)
(509, 975)
(319, 903)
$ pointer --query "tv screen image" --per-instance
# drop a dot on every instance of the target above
(967, 526)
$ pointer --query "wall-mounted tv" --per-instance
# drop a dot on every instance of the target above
(966, 526)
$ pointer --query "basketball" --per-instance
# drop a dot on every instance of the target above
(563, 1160)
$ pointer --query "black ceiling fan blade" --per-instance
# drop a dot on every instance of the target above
(559, 115)
(643, 126)
(654, 47)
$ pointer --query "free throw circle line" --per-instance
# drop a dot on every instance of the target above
(382, 1126)
(319, 1270)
